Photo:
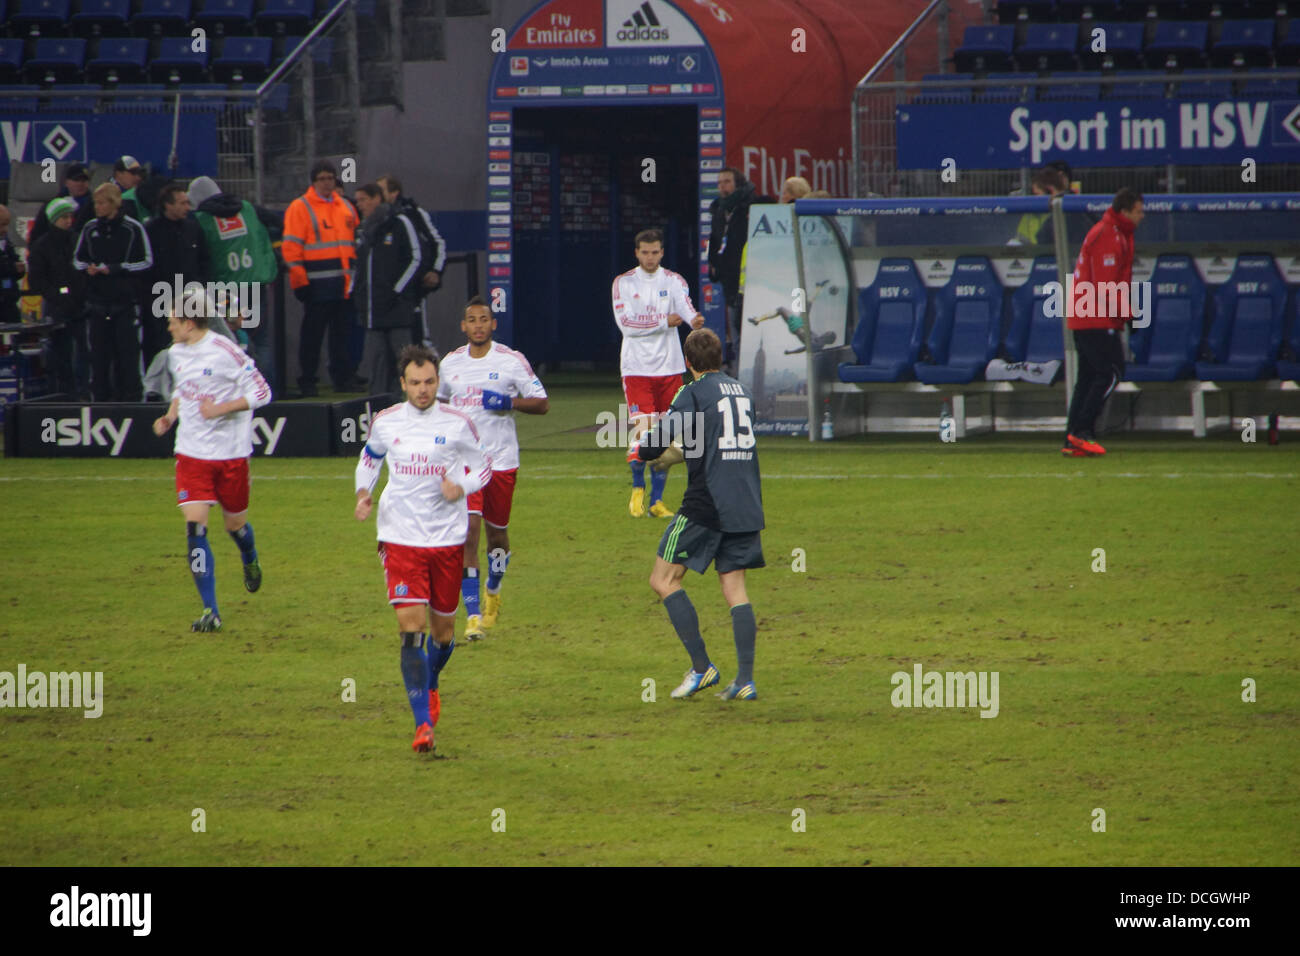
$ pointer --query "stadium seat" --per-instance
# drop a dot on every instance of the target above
(1080, 90)
(1020, 11)
(139, 97)
(1153, 89)
(1268, 88)
(967, 325)
(1033, 335)
(1244, 43)
(74, 104)
(1178, 43)
(1123, 46)
(40, 17)
(11, 59)
(23, 104)
(1049, 46)
(1288, 367)
(162, 18)
(1021, 92)
(176, 61)
(952, 94)
(199, 104)
(1189, 86)
(96, 18)
(891, 321)
(986, 48)
(281, 17)
(1165, 351)
(1288, 49)
(226, 17)
(243, 58)
(1072, 11)
(118, 59)
(1247, 331)
(55, 59)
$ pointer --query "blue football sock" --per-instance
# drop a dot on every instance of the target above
(638, 473)
(415, 674)
(200, 557)
(744, 628)
(469, 590)
(439, 654)
(244, 538)
(687, 625)
(658, 479)
(497, 570)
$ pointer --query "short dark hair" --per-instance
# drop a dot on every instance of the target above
(649, 235)
(418, 354)
(1126, 199)
(168, 194)
(324, 166)
(394, 184)
(477, 300)
(372, 190)
(703, 350)
(734, 172)
(1050, 179)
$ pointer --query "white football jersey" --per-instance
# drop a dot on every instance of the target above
(642, 303)
(421, 448)
(461, 381)
(215, 367)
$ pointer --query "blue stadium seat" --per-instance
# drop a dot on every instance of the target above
(1247, 330)
(201, 104)
(1123, 45)
(23, 104)
(226, 17)
(1020, 11)
(891, 321)
(1152, 90)
(56, 59)
(1023, 90)
(1165, 351)
(243, 58)
(1288, 48)
(74, 104)
(1049, 46)
(11, 59)
(1268, 88)
(952, 94)
(41, 17)
(101, 18)
(119, 59)
(967, 325)
(1188, 86)
(1288, 367)
(1083, 11)
(986, 48)
(162, 18)
(140, 98)
(1035, 336)
(280, 17)
(177, 62)
(1178, 43)
(1080, 90)
(1244, 43)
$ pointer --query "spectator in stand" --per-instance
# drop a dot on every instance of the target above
(178, 250)
(113, 251)
(12, 270)
(728, 232)
(129, 174)
(389, 255)
(435, 259)
(1035, 228)
(62, 289)
(76, 186)
(796, 187)
(319, 234)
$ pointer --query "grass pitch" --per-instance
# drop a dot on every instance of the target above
(1119, 690)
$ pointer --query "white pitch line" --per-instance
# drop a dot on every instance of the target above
(1066, 476)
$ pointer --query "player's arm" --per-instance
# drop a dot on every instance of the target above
(253, 389)
(682, 306)
(161, 425)
(366, 476)
(477, 470)
(662, 443)
(410, 244)
(622, 310)
(531, 400)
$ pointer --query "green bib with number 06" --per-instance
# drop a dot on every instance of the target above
(239, 247)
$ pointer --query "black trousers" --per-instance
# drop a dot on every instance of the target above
(1101, 367)
(320, 319)
(114, 351)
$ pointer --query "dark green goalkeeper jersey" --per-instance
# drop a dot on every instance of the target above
(713, 418)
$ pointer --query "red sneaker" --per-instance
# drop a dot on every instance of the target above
(1069, 451)
(423, 742)
(435, 706)
(1088, 446)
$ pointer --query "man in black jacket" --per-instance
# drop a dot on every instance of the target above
(390, 253)
(51, 275)
(727, 236)
(113, 251)
(430, 275)
(12, 270)
(76, 186)
(178, 250)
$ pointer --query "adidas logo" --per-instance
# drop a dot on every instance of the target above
(642, 25)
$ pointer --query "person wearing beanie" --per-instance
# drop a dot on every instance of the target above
(76, 186)
(51, 275)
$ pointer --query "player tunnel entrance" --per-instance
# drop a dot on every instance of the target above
(586, 180)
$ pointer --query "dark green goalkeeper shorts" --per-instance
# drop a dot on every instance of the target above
(695, 546)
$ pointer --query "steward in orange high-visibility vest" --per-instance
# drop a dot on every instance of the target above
(319, 245)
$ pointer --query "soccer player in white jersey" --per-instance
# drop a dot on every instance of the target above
(489, 382)
(435, 459)
(216, 386)
(650, 301)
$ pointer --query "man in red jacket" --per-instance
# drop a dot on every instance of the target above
(1099, 309)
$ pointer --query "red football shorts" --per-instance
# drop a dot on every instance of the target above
(649, 394)
(423, 575)
(493, 500)
(224, 482)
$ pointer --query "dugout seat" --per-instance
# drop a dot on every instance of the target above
(39, 17)
(1244, 43)
(1049, 46)
(986, 48)
(967, 325)
(1178, 44)
(1123, 45)
(119, 59)
(56, 59)
(243, 58)
(1035, 336)
(891, 321)
(177, 62)
(95, 18)
(1247, 330)
(1165, 351)
(226, 17)
(1288, 367)
(157, 18)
